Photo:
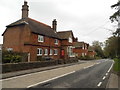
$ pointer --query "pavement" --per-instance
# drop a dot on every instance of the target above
(23, 72)
(114, 81)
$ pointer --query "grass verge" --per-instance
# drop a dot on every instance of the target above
(116, 66)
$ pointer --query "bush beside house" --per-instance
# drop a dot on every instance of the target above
(13, 57)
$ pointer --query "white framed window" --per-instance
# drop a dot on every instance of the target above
(9, 49)
(83, 54)
(39, 51)
(51, 51)
(46, 51)
(56, 41)
(70, 40)
(40, 38)
(55, 51)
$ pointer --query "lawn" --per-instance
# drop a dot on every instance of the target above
(116, 66)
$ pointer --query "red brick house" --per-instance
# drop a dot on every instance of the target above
(37, 39)
(80, 49)
(83, 49)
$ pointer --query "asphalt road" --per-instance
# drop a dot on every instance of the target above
(91, 74)
(90, 77)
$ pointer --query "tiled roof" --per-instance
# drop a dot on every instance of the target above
(36, 27)
(78, 44)
(64, 34)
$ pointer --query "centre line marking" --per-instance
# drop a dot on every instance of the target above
(99, 84)
(106, 74)
(50, 79)
(104, 77)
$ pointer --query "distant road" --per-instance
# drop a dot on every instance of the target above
(92, 74)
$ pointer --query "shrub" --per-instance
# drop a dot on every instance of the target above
(13, 57)
(40, 58)
(86, 57)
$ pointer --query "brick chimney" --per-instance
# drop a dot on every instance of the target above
(25, 10)
(54, 25)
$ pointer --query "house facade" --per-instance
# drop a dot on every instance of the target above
(82, 49)
(37, 39)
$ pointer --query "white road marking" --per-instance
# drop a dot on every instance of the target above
(104, 77)
(110, 68)
(99, 84)
(50, 79)
(98, 63)
(88, 66)
(106, 74)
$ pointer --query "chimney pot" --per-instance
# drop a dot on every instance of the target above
(54, 25)
(25, 10)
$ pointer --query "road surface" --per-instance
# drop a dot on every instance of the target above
(91, 74)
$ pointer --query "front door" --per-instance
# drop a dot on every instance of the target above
(62, 53)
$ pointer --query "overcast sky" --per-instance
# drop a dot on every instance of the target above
(88, 19)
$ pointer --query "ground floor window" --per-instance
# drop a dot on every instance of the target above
(83, 54)
(46, 51)
(51, 51)
(70, 51)
(39, 51)
(55, 52)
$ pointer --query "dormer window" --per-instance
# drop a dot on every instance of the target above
(56, 41)
(70, 40)
(40, 38)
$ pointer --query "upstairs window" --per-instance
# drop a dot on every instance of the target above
(70, 40)
(39, 52)
(56, 41)
(40, 38)
(46, 51)
(55, 51)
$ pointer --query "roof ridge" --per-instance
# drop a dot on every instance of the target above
(40, 22)
(65, 31)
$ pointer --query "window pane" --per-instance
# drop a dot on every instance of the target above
(46, 52)
(40, 38)
(37, 51)
(51, 52)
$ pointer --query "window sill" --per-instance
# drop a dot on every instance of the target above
(39, 54)
(41, 41)
(56, 43)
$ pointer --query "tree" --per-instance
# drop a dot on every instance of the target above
(98, 48)
(111, 47)
(113, 18)
(116, 17)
